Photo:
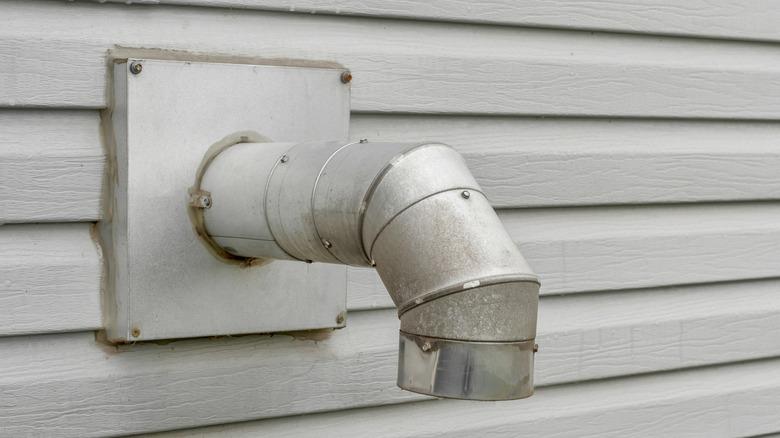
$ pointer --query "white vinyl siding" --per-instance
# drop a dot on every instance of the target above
(637, 167)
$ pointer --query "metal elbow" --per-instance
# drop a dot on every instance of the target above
(466, 298)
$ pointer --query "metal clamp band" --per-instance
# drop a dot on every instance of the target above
(197, 196)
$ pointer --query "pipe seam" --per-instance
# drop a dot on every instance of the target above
(463, 287)
(396, 215)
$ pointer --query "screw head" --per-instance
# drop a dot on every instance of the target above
(136, 332)
(340, 318)
(327, 243)
(136, 67)
(205, 201)
(465, 194)
(426, 346)
(285, 159)
(536, 348)
(346, 77)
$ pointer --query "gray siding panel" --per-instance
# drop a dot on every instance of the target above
(50, 279)
(737, 400)
(69, 385)
(52, 162)
(51, 166)
(573, 250)
(401, 66)
(730, 19)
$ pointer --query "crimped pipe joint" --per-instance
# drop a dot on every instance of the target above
(466, 298)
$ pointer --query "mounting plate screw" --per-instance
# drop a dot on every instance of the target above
(426, 346)
(200, 200)
(285, 159)
(136, 332)
(465, 194)
(340, 319)
(346, 77)
(136, 67)
(327, 243)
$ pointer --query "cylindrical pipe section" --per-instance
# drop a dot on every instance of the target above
(466, 298)
(235, 182)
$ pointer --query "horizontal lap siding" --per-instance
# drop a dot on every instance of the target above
(573, 250)
(69, 385)
(619, 130)
(734, 400)
(732, 19)
(51, 166)
(404, 66)
(52, 162)
(50, 279)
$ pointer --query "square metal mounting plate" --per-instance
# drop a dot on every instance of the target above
(162, 282)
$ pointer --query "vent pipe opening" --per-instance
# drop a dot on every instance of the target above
(466, 298)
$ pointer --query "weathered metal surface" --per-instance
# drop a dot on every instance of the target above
(164, 282)
(415, 212)
(289, 200)
(492, 312)
(341, 196)
(421, 172)
(446, 244)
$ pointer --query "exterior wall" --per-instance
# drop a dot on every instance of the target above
(637, 167)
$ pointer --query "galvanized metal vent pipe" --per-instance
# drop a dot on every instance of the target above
(466, 298)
